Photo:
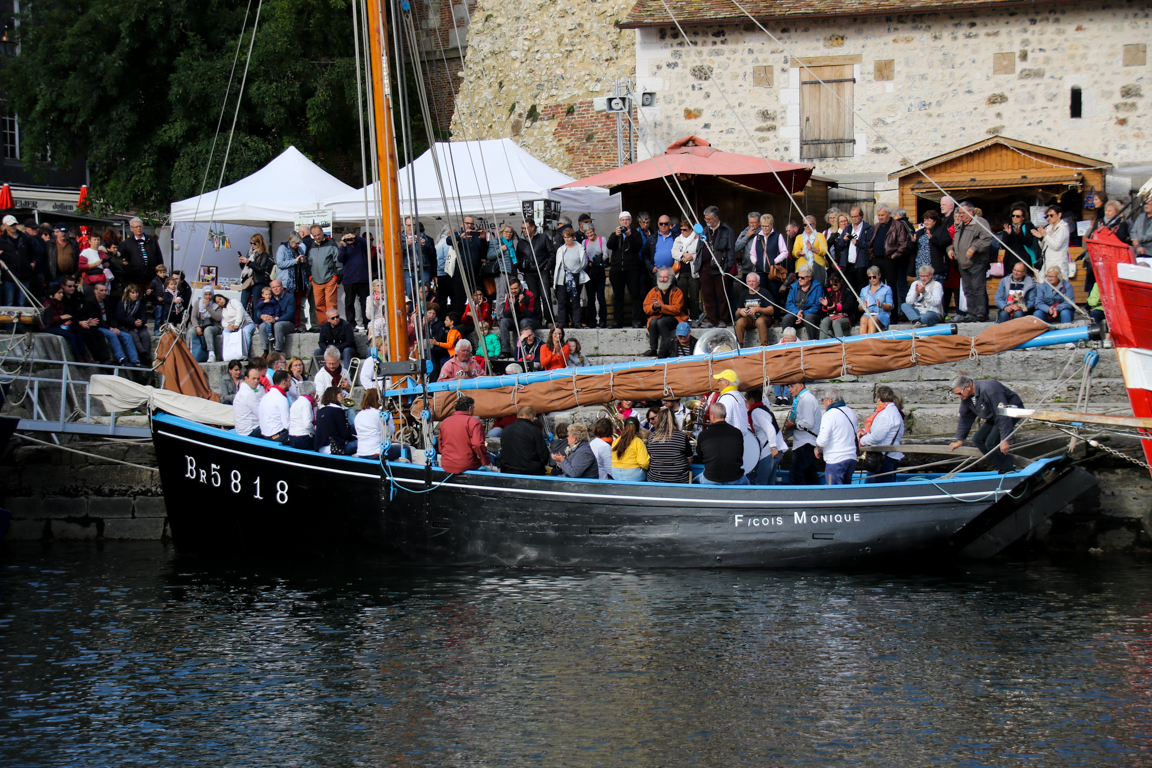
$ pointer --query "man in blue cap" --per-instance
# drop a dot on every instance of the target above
(684, 342)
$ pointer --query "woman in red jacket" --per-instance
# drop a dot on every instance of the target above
(554, 354)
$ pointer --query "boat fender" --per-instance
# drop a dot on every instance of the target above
(1092, 358)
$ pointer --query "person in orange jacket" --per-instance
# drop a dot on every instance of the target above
(664, 306)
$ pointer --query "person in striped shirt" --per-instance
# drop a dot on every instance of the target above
(669, 451)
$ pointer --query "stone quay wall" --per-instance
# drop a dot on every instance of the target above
(931, 83)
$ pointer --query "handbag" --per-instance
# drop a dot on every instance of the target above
(778, 273)
(490, 268)
(335, 446)
(233, 345)
(246, 278)
(450, 262)
(870, 461)
(996, 269)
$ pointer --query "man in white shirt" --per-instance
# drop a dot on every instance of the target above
(274, 414)
(246, 403)
(333, 374)
(837, 439)
(804, 423)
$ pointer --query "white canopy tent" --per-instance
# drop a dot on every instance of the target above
(481, 178)
(276, 193)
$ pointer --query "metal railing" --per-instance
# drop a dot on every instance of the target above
(39, 377)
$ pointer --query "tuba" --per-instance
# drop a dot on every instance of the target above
(716, 340)
(695, 414)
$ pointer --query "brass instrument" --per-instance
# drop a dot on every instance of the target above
(613, 416)
(347, 383)
(694, 416)
(716, 340)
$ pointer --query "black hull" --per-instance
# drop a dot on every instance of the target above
(310, 503)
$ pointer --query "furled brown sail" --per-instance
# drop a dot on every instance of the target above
(780, 364)
(181, 371)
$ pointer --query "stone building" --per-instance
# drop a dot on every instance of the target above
(532, 71)
(1070, 76)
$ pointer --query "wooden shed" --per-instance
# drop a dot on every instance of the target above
(997, 172)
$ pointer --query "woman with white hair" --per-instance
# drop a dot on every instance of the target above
(1050, 304)
(302, 417)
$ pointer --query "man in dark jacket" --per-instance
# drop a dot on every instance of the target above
(519, 305)
(852, 249)
(979, 400)
(889, 245)
(40, 235)
(337, 333)
(522, 447)
(721, 450)
(87, 328)
(625, 249)
(536, 257)
(18, 254)
(353, 255)
(98, 314)
(141, 254)
(718, 258)
(471, 246)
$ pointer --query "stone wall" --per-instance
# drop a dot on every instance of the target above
(930, 83)
(54, 494)
(531, 72)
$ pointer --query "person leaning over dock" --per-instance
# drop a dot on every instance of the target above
(978, 400)
(246, 403)
(721, 450)
(462, 446)
(275, 416)
(630, 457)
(836, 443)
(804, 422)
(885, 427)
(580, 461)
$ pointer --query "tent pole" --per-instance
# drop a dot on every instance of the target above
(388, 243)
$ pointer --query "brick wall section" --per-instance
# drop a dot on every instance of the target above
(441, 65)
(588, 138)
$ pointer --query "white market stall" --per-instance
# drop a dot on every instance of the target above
(219, 223)
(486, 179)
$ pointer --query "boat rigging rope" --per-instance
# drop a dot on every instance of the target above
(85, 453)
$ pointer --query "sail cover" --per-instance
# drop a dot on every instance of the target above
(118, 394)
(780, 364)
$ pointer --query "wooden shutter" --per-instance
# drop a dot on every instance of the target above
(825, 120)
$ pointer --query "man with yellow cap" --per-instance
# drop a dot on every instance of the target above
(736, 414)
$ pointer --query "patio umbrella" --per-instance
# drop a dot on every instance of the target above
(693, 156)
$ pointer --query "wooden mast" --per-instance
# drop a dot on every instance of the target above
(387, 240)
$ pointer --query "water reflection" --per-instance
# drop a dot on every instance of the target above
(131, 655)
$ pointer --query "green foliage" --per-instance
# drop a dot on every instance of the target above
(137, 87)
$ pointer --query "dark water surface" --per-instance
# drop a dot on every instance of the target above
(132, 655)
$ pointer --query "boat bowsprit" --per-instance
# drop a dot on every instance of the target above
(227, 493)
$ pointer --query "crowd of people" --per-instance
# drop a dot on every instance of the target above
(737, 442)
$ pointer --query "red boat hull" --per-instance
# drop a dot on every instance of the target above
(1126, 295)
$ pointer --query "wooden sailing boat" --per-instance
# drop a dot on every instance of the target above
(225, 492)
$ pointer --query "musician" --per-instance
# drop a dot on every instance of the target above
(332, 374)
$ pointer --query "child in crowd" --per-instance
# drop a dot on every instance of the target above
(267, 305)
(489, 342)
(171, 308)
(781, 390)
(155, 293)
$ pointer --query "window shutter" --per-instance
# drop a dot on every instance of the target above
(826, 121)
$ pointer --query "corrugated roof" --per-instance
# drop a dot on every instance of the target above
(652, 13)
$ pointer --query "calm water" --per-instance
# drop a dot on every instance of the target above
(131, 655)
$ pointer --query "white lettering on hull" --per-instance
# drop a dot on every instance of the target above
(798, 518)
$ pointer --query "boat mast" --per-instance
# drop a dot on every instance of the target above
(387, 240)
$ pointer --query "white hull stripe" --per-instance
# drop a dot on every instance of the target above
(295, 464)
(723, 502)
(1137, 273)
(1136, 365)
